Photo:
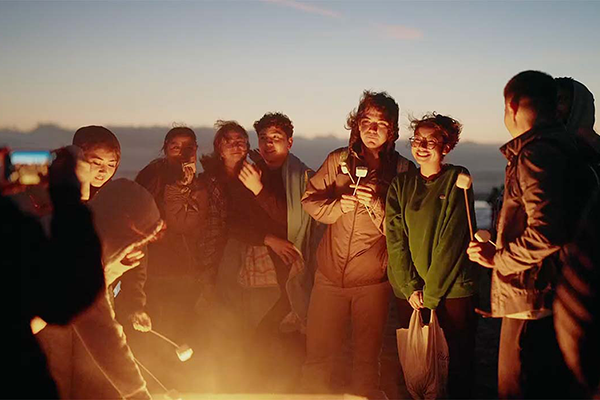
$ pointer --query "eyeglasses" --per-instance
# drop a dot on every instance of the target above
(418, 141)
(382, 126)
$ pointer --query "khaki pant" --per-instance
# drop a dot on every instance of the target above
(330, 310)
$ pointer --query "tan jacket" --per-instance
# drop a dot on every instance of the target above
(533, 223)
(353, 249)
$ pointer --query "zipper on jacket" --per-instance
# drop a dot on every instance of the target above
(349, 243)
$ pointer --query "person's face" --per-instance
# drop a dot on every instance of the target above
(179, 145)
(274, 146)
(374, 129)
(565, 101)
(103, 164)
(234, 148)
(427, 147)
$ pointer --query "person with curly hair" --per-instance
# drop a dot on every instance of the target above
(427, 237)
(348, 195)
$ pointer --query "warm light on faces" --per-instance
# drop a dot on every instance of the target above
(427, 147)
(274, 146)
(374, 129)
(234, 147)
(103, 164)
(175, 146)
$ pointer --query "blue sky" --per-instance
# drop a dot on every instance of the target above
(159, 63)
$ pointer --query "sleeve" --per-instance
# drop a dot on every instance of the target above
(319, 199)
(540, 172)
(186, 208)
(450, 254)
(105, 341)
(67, 267)
(273, 203)
(240, 222)
(402, 273)
(133, 296)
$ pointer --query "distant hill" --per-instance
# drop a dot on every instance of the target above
(142, 144)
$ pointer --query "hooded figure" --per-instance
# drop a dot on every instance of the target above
(577, 304)
(90, 358)
(576, 110)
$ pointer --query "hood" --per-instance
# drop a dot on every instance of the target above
(124, 213)
(582, 113)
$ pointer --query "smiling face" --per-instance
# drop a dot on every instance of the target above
(374, 129)
(274, 146)
(103, 163)
(428, 147)
(233, 148)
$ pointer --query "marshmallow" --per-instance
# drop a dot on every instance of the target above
(361, 172)
(464, 181)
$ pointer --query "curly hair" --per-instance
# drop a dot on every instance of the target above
(448, 127)
(380, 101)
(93, 137)
(276, 119)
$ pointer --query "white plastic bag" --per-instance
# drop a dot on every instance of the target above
(423, 353)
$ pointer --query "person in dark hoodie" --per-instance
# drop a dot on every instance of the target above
(577, 304)
(57, 276)
(351, 282)
(90, 358)
(540, 207)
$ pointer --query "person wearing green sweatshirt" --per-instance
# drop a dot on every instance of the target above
(427, 233)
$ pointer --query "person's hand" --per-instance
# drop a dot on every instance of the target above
(83, 170)
(189, 171)
(482, 253)
(141, 321)
(283, 248)
(348, 203)
(416, 299)
(364, 194)
(250, 175)
(127, 259)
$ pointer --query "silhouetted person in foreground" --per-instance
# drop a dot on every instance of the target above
(540, 204)
(57, 277)
(91, 358)
(577, 304)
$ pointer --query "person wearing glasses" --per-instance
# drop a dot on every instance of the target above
(350, 283)
(427, 237)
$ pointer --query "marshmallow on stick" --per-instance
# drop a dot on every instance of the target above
(361, 172)
(484, 236)
(184, 352)
(346, 171)
(464, 182)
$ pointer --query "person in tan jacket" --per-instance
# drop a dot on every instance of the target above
(348, 194)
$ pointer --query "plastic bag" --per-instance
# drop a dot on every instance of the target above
(423, 353)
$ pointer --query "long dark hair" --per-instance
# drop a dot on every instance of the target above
(384, 103)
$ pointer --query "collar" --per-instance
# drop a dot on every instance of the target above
(512, 148)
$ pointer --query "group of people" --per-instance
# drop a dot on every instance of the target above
(261, 264)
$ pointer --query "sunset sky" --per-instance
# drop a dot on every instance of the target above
(158, 63)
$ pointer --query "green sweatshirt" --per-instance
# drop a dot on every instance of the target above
(427, 234)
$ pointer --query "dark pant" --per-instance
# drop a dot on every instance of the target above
(530, 364)
(458, 320)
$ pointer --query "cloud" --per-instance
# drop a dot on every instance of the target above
(308, 8)
(399, 32)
